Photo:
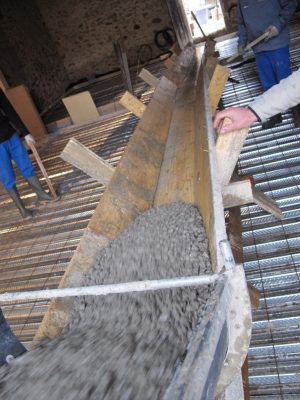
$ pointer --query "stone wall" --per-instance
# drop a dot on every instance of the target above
(28, 53)
(84, 31)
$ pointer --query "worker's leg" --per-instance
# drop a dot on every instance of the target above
(7, 175)
(22, 160)
(265, 68)
(20, 156)
(8, 178)
(280, 59)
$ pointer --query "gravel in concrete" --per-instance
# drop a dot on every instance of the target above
(124, 346)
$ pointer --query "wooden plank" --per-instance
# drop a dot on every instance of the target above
(86, 160)
(132, 104)
(228, 148)
(21, 100)
(189, 169)
(130, 192)
(216, 86)
(81, 108)
(210, 65)
(146, 76)
(266, 203)
(237, 193)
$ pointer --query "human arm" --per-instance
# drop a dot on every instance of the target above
(279, 98)
(288, 7)
(240, 118)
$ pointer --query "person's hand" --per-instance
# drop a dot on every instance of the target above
(29, 139)
(272, 31)
(240, 118)
(241, 49)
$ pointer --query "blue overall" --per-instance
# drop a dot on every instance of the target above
(13, 149)
(272, 56)
(272, 66)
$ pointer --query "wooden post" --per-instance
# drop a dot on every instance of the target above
(132, 104)
(81, 157)
(146, 76)
(218, 81)
(122, 58)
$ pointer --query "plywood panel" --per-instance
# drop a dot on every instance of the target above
(21, 99)
(81, 157)
(81, 108)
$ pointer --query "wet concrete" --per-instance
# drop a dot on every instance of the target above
(124, 346)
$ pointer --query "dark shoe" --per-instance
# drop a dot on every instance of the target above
(14, 194)
(296, 115)
(10, 347)
(270, 123)
(34, 183)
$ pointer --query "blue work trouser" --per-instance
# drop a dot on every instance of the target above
(273, 66)
(13, 149)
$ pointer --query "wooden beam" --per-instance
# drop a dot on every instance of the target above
(132, 104)
(81, 157)
(146, 76)
(218, 81)
(81, 108)
(237, 193)
(122, 58)
(266, 203)
(228, 148)
(189, 170)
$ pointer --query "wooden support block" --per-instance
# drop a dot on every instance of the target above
(81, 157)
(228, 147)
(132, 104)
(22, 102)
(146, 76)
(266, 203)
(237, 193)
(81, 108)
(170, 61)
(254, 294)
(216, 86)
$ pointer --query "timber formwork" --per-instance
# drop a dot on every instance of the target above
(39, 250)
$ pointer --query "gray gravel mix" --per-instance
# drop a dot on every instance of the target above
(124, 346)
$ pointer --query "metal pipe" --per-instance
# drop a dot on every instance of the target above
(103, 290)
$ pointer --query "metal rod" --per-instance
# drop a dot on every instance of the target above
(103, 290)
(226, 251)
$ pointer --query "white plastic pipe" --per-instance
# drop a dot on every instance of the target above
(103, 290)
